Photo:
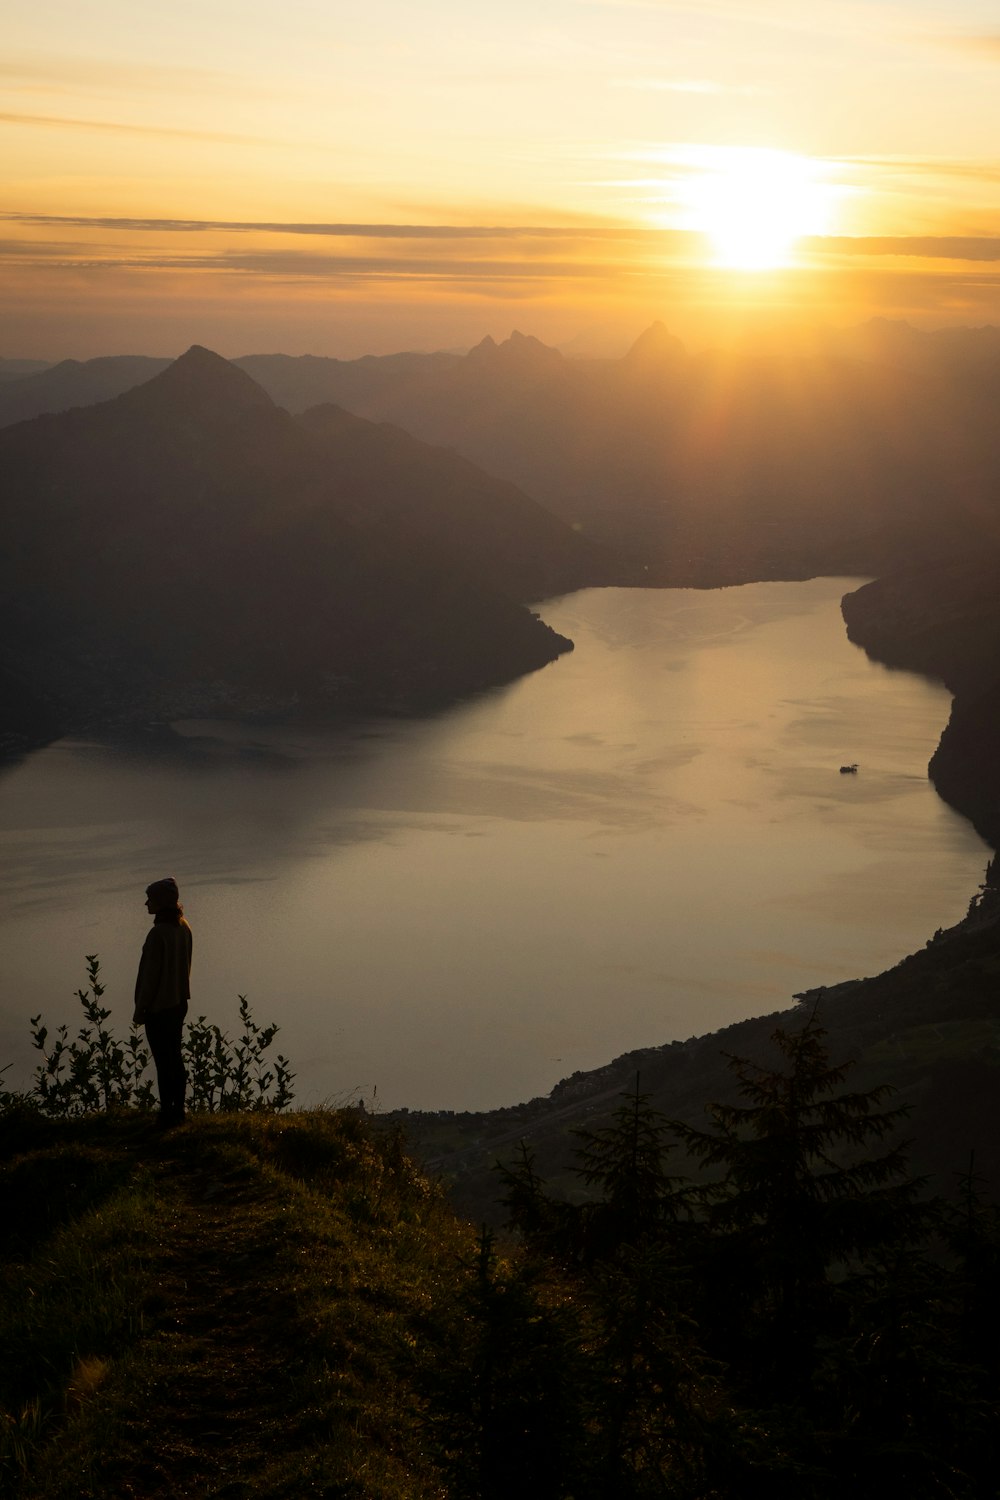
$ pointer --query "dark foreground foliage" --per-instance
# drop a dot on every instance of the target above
(96, 1070)
(798, 1323)
(266, 1304)
(245, 1306)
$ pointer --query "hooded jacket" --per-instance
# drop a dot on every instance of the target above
(164, 978)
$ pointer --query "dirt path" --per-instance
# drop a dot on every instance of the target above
(219, 1334)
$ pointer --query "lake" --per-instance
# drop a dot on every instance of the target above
(646, 840)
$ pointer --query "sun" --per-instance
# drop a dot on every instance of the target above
(752, 203)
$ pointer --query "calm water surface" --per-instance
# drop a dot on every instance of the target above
(646, 840)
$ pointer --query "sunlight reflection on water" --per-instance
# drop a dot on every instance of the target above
(646, 840)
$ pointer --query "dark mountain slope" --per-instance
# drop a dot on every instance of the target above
(73, 382)
(298, 382)
(713, 468)
(944, 620)
(190, 547)
(433, 498)
(965, 767)
(808, 457)
(964, 352)
(928, 1027)
(850, 453)
(17, 369)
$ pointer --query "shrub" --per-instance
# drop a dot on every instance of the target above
(232, 1075)
(97, 1071)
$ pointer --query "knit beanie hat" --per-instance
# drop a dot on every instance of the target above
(163, 890)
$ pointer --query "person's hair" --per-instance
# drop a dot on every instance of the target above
(168, 914)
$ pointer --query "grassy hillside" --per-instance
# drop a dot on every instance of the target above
(244, 1307)
(259, 1305)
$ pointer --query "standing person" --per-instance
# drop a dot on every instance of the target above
(162, 992)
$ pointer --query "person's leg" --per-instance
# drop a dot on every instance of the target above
(163, 1033)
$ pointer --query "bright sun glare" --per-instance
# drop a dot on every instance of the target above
(753, 204)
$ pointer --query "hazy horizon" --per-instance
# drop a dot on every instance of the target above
(593, 346)
(346, 181)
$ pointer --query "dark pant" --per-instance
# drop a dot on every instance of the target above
(163, 1033)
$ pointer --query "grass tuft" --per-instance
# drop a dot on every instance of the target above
(244, 1306)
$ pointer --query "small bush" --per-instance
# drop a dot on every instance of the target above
(232, 1075)
(96, 1071)
(11, 1101)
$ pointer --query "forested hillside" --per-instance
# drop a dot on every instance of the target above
(280, 1306)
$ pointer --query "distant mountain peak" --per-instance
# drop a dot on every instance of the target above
(521, 349)
(200, 379)
(656, 346)
(889, 328)
(525, 343)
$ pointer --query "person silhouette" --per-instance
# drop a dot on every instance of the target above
(162, 992)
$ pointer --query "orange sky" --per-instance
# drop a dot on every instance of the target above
(340, 178)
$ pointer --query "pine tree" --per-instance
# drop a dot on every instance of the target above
(652, 1401)
(972, 1233)
(505, 1397)
(902, 1409)
(626, 1160)
(800, 1199)
(657, 1407)
(529, 1210)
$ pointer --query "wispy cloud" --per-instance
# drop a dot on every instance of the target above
(337, 252)
(773, 12)
(36, 72)
(925, 247)
(985, 45)
(290, 266)
(517, 240)
(343, 231)
(119, 127)
(836, 17)
(929, 166)
(706, 86)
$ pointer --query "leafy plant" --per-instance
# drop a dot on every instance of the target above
(10, 1099)
(97, 1071)
(232, 1075)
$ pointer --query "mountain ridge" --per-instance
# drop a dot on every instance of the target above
(829, 454)
(277, 590)
(198, 377)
